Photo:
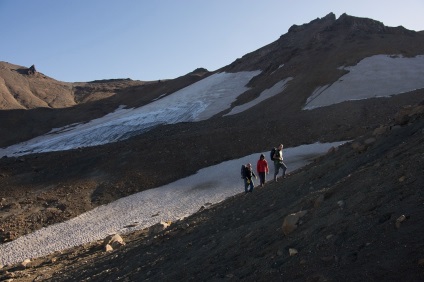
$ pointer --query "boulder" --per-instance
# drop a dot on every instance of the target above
(290, 222)
(292, 252)
(115, 241)
(159, 227)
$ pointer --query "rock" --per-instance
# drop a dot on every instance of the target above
(399, 220)
(341, 204)
(421, 262)
(402, 178)
(293, 252)
(159, 227)
(115, 241)
(31, 70)
(290, 222)
(108, 248)
(24, 264)
(380, 130)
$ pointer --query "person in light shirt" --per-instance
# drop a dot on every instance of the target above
(278, 162)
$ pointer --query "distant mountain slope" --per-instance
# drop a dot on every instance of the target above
(22, 88)
(26, 88)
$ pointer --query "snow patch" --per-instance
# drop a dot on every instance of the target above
(266, 94)
(169, 202)
(376, 76)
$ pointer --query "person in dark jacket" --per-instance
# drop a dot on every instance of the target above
(248, 178)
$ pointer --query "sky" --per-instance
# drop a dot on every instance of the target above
(80, 40)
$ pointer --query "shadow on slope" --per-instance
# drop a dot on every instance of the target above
(352, 197)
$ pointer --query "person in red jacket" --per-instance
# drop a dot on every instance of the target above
(262, 169)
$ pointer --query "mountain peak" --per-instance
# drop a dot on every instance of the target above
(328, 19)
(360, 24)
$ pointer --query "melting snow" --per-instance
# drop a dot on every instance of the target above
(169, 202)
(196, 102)
(376, 76)
(268, 93)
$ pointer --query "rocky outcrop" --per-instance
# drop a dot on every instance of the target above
(31, 70)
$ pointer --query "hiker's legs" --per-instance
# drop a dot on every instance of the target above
(245, 185)
(251, 185)
(284, 167)
(262, 178)
(276, 170)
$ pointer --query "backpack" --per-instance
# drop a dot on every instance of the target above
(243, 171)
(272, 153)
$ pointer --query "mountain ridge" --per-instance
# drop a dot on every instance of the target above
(43, 189)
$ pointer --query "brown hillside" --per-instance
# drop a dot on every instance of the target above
(21, 88)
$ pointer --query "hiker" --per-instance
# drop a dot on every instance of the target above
(248, 175)
(262, 169)
(278, 161)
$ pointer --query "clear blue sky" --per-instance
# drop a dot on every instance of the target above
(84, 40)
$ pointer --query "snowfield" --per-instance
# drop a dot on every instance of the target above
(196, 102)
(169, 202)
(376, 76)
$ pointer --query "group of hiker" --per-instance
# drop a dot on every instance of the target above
(262, 169)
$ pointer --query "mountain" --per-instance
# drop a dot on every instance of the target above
(354, 214)
(90, 100)
(26, 88)
(308, 63)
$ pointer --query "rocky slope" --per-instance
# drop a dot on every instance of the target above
(354, 214)
(42, 189)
